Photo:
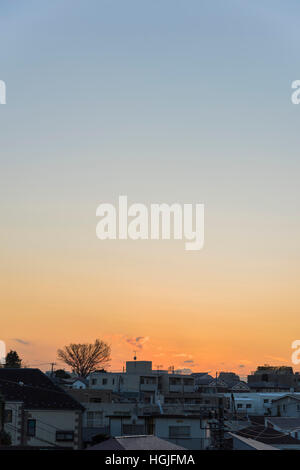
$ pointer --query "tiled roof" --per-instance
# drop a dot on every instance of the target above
(35, 389)
(267, 435)
(136, 443)
(289, 424)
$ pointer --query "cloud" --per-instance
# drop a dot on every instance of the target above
(21, 341)
(183, 371)
(241, 365)
(137, 342)
(189, 356)
(276, 358)
(189, 361)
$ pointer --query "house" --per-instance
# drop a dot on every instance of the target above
(287, 405)
(225, 382)
(190, 431)
(37, 412)
(253, 403)
(79, 383)
(136, 443)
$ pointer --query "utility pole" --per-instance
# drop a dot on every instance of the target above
(220, 432)
(52, 367)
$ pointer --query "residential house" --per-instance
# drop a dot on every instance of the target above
(37, 412)
(287, 406)
(190, 431)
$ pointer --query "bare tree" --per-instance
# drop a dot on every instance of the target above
(85, 358)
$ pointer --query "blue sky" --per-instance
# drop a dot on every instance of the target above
(163, 101)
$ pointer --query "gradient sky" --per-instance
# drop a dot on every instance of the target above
(164, 101)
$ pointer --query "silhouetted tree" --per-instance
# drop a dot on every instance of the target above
(61, 374)
(13, 360)
(85, 358)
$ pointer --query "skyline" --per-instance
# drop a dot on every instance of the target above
(163, 102)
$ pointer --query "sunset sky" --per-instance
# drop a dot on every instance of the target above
(163, 101)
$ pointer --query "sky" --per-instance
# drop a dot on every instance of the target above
(162, 101)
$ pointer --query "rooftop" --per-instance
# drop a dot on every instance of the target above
(136, 443)
(35, 390)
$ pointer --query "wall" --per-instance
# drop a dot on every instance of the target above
(50, 421)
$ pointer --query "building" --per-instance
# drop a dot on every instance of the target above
(176, 383)
(37, 412)
(253, 403)
(138, 380)
(286, 406)
(141, 382)
(274, 379)
(190, 431)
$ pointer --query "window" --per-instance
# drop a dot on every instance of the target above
(179, 431)
(248, 405)
(175, 381)
(240, 405)
(7, 416)
(31, 427)
(98, 416)
(298, 407)
(104, 381)
(132, 429)
(90, 418)
(266, 401)
(188, 382)
(96, 400)
(94, 381)
(65, 436)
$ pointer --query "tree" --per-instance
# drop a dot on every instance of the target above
(85, 358)
(13, 360)
(61, 374)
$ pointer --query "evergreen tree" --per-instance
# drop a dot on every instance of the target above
(13, 360)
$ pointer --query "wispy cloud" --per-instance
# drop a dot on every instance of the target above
(276, 358)
(21, 341)
(137, 342)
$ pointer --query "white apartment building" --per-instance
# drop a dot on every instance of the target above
(253, 403)
(189, 431)
(139, 377)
